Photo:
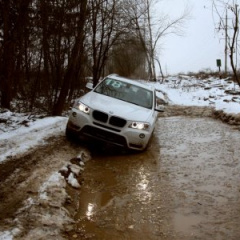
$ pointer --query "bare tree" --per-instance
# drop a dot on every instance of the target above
(127, 58)
(105, 27)
(150, 29)
(46, 46)
(75, 61)
(231, 31)
(7, 63)
(233, 43)
(13, 20)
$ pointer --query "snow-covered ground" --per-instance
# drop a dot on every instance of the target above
(213, 92)
(18, 138)
(20, 132)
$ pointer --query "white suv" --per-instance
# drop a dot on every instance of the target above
(119, 111)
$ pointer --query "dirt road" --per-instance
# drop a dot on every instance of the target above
(185, 186)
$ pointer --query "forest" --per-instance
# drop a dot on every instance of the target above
(50, 48)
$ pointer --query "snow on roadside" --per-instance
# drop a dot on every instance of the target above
(195, 92)
(7, 235)
(24, 138)
(46, 213)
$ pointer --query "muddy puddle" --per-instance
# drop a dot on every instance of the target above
(185, 186)
(120, 197)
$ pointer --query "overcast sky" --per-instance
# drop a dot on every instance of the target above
(200, 46)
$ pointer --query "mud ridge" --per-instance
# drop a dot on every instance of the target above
(197, 111)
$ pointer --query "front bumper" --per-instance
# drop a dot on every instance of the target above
(86, 126)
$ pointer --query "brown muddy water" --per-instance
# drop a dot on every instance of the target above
(185, 186)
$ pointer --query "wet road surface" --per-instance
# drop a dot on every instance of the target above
(202, 160)
(185, 186)
(121, 197)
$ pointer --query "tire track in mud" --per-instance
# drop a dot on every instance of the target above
(205, 111)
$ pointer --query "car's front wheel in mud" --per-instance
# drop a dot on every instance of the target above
(149, 143)
(70, 134)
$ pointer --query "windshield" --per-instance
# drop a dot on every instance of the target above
(126, 92)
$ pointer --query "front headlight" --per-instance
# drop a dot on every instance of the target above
(82, 107)
(139, 125)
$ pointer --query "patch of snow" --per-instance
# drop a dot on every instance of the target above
(46, 213)
(84, 157)
(75, 169)
(7, 235)
(24, 138)
(73, 181)
(195, 92)
(56, 180)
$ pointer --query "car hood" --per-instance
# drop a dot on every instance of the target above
(116, 107)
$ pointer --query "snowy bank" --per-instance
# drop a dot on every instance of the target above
(211, 92)
(22, 139)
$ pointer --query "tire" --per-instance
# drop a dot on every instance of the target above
(149, 143)
(70, 134)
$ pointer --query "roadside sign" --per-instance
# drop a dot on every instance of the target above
(219, 64)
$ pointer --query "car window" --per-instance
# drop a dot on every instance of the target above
(126, 92)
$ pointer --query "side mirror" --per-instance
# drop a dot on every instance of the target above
(89, 85)
(159, 108)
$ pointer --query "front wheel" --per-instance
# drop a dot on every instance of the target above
(70, 134)
(149, 142)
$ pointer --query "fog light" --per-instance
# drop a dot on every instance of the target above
(142, 135)
(74, 114)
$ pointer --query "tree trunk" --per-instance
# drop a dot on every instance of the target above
(7, 66)
(74, 64)
(232, 46)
